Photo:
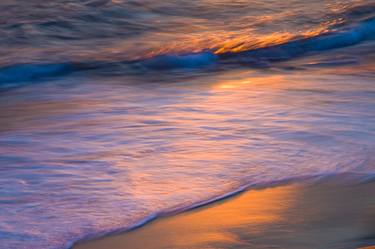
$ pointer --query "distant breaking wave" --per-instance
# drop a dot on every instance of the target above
(19, 74)
(365, 31)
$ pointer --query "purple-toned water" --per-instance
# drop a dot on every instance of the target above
(113, 112)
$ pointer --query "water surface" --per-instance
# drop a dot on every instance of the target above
(114, 112)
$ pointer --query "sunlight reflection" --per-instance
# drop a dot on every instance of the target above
(216, 225)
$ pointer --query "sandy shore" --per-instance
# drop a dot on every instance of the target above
(333, 213)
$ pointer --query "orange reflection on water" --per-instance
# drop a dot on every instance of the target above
(247, 42)
(273, 81)
(255, 209)
(198, 36)
(209, 226)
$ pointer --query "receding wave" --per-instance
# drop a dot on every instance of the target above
(358, 178)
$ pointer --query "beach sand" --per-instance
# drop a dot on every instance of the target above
(332, 213)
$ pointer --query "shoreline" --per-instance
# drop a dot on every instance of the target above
(288, 215)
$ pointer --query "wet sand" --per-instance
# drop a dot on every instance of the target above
(332, 213)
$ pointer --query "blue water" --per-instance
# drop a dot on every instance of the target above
(114, 112)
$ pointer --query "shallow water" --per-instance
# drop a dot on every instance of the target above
(305, 215)
(113, 112)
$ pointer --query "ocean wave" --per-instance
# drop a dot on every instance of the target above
(345, 37)
(18, 74)
(350, 177)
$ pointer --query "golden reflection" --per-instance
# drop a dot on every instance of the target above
(252, 41)
(198, 37)
(274, 81)
(247, 42)
(197, 229)
(289, 216)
